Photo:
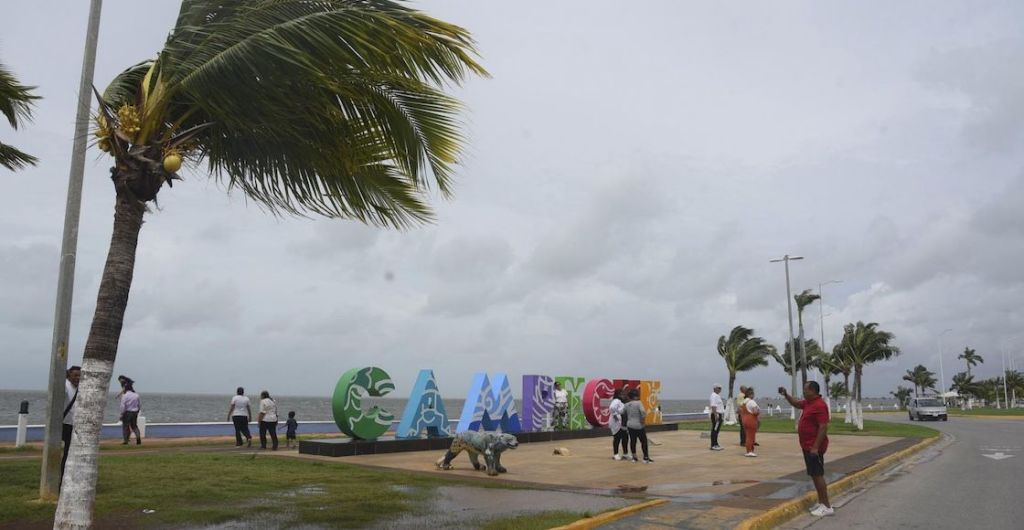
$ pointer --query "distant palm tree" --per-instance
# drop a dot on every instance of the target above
(964, 384)
(921, 377)
(864, 344)
(783, 358)
(902, 394)
(837, 390)
(804, 299)
(971, 358)
(327, 107)
(842, 365)
(823, 362)
(743, 351)
(909, 376)
(1014, 384)
(16, 102)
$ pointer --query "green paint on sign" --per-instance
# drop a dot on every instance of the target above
(347, 403)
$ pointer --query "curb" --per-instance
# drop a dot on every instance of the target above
(791, 509)
(607, 517)
(987, 417)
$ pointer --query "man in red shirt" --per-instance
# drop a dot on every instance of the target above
(813, 434)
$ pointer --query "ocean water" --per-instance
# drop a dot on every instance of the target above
(189, 408)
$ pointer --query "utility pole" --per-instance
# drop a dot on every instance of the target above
(789, 304)
(1006, 395)
(942, 373)
(821, 327)
(821, 311)
(49, 476)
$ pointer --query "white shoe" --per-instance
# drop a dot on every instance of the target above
(628, 457)
(617, 456)
(815, 507)
(718, 448)
(822, 511)
(751, 455)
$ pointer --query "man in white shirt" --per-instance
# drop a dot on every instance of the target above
(239, 413)
(561, 408)
(717, 407)
(73, 376)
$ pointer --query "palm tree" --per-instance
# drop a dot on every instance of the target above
(837, 390)
(841, 364)
(16, 102)
(742, 351)
(822, 361)
(804, 299)
(332, 107)
(909, 376)
(964, 384)
(971, 358)
(865, 344)
(1015, 384)
(783, 358)
(921, 377)
(901, 394)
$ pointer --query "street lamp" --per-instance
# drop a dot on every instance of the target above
(1006, 395)
(942, 373)
(789, 304)
(49, 476)
(821, 311)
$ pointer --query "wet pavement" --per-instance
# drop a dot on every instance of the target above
(706, 489)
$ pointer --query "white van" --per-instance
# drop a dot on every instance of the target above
(926, 408)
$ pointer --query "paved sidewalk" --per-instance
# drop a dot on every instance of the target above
(707, 489)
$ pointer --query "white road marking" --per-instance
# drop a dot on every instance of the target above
(998, 456)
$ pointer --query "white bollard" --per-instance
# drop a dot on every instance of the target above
(19, 437)
(142, 426)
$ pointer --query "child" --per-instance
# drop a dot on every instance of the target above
(291, 425)
(635, 414)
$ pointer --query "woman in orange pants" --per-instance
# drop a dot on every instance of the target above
(749, 419)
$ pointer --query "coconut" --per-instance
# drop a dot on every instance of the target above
(172, 163)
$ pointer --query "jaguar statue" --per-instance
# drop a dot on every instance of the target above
(489, 444)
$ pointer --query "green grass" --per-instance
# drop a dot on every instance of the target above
(835, 427)
(204, 488)
(537, 521)
(986, 412)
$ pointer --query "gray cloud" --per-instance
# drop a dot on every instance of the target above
(615, 214)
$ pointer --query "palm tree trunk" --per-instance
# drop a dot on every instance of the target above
(730, 405)
(858, 407)
(828, 397)
(848, 417)
(78, 492)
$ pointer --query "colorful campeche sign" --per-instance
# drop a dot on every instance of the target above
(489, 405)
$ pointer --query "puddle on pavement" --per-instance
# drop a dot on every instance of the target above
(467, 507)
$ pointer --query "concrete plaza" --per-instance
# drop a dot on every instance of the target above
(708, 489)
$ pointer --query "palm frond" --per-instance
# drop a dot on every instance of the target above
(14, 159)
(332, 107)
(16, 100)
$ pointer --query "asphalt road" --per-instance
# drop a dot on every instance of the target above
(951, 485)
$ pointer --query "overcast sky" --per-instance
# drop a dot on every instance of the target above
(631, 169)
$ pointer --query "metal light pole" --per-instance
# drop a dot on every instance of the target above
(49, 480)
(1006, 395)
(942, 373)
(789, 304)
(821, 316)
